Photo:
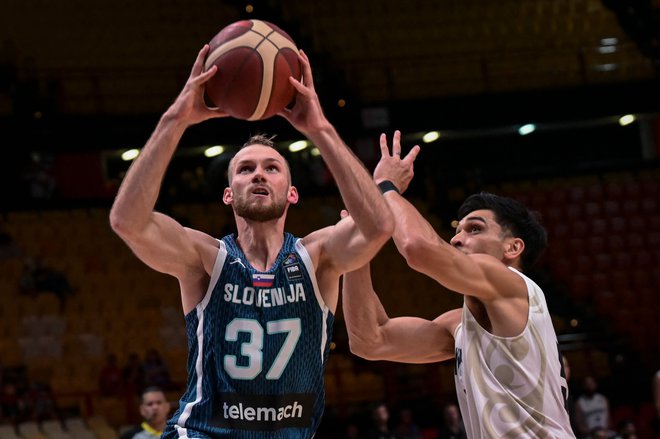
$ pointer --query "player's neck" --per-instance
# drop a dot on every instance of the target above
(261, 244)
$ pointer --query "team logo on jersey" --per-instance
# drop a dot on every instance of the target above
(292, 267)
(291, 259)
(263, 280)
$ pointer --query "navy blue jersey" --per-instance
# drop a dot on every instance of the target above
(258, 344)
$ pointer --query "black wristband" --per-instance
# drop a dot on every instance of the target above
(386, 186)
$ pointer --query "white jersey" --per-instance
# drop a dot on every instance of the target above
(512, 387)
(595, 410)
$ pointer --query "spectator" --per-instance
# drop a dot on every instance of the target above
(132, 374)
(16, 394)
(592, 410)
(598, 433)
(453, 427)
(380, 417)
(154, 409)
(352, 431)
(9, 401)
(38, 277)
(155, 370)
(626, 429)
(8, 247)
(41, 402)
(407, 428)
(570, 399)
(110, 378)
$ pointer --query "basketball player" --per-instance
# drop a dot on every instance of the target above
(509, 376)
(259, 304)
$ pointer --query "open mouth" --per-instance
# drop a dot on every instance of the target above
(260, 191)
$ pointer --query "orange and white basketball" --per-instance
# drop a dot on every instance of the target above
(255, 60)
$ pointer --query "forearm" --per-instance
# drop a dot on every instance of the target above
(139, 190)
(360, 195)
(411, 228)
(363, 312)
(373, 335)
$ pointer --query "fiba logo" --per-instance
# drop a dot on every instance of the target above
(293, 272)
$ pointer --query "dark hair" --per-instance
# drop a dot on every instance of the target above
(150, 389)
(514, 217)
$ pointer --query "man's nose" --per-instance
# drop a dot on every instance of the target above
(456, 240)
(258, 175)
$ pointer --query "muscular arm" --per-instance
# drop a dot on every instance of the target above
(355, 242)
(154, 237)
(158, 240)
(478, 275)
(375, 336)
(350, 243)
(496, 294)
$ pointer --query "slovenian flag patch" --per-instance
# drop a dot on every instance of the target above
(262, 280)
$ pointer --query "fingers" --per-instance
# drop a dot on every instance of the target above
(300, 88)
(343, 214)
(308, 79)
(204, 77)
(384, 149)
(396, 145)
(412, 154)
(198, 66)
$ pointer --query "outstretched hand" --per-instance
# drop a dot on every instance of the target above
(190, 105)
(306, 115)
(391, 166)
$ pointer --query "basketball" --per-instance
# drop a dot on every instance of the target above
(255, 60)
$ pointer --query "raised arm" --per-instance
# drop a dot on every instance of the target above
(374, 336)
(477, 275)
(351, 243)
(157, 239)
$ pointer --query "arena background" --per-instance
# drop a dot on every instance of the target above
(81, 82)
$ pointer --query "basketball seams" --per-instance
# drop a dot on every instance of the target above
(267, 55)
(286, 65)
(237, 43)
(263, 38)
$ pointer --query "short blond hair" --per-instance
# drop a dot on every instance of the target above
(263, 140)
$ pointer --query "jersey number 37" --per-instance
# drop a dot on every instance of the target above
(253, 348)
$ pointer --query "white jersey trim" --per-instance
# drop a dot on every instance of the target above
(309, 265)
(199, 309)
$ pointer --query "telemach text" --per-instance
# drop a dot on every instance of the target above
(261, 412)
(265, 414)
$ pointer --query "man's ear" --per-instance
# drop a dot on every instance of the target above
(514, 248)
(292, 196)
(227, 196)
